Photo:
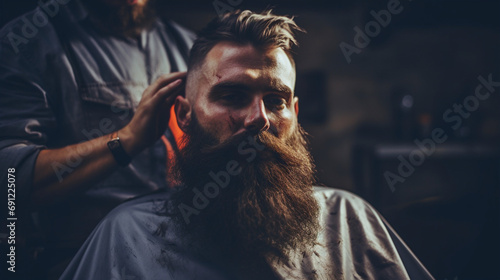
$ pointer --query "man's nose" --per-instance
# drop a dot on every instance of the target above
(256, 119)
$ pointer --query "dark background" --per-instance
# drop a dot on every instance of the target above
(364, 115)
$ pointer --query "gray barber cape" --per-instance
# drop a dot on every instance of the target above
(136, 241)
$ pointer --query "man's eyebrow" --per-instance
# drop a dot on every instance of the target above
(279, 87)
(229, 86)
(235, 86)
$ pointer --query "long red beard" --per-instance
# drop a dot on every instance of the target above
(267, 208)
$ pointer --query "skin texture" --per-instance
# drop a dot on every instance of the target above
(241, 88)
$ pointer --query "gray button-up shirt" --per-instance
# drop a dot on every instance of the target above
(63, 82)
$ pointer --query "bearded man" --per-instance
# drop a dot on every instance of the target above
(246, 207)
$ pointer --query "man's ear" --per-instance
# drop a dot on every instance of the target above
(296, 105)
(182, 109)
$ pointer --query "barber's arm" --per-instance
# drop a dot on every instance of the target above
(95, 158)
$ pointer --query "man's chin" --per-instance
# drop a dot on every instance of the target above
(135, 2)
(123, 3)
(122, 17)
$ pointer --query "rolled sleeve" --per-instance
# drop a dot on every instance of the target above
(22, 157)
(26, 118)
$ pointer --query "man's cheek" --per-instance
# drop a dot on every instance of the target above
(292, 128)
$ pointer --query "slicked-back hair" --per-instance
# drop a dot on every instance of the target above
(263, 30)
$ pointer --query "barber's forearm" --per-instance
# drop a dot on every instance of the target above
(61, 173)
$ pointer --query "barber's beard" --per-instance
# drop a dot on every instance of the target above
(126, 21)
(267, 209)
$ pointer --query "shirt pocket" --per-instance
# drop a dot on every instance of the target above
(108, 107)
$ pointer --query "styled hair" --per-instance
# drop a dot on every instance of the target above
(263, 30)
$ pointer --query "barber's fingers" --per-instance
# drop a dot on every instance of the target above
(168, 93)
(163, 81)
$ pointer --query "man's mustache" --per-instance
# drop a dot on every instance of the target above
(268, 147)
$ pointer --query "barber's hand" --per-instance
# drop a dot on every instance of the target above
(153, 113)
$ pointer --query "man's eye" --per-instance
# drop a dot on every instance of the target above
(230, 97)
(276, 102)
(233, 98)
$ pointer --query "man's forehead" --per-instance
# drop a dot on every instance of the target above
(228, 54)
(234, 62)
